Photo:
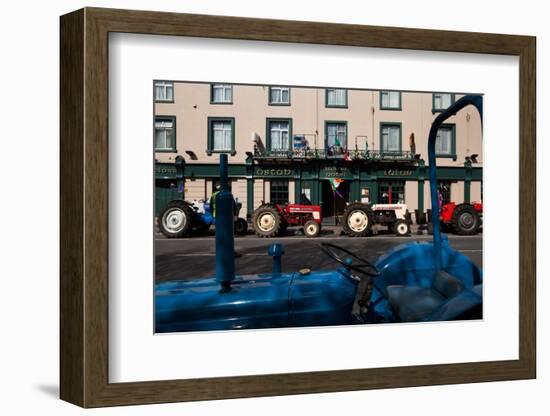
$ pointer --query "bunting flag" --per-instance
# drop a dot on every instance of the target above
(347, 157)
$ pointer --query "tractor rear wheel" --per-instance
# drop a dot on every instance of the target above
(401, 228)
(241, 226)
(175, 220)
(465, 220)
(357, 220)
(267, 221)
(312, 229)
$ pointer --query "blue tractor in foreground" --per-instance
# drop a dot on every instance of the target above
(413, 282)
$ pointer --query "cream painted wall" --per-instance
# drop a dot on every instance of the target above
(258, 192)
(411, 194)
(195, 189)
(475, 192)
(308, 112)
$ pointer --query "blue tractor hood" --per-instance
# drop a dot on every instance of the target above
(255, 301)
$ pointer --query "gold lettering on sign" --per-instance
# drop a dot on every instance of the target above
(398, 172)
(335, 172)
(273, 172)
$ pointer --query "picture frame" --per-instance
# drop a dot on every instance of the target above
(84, 278)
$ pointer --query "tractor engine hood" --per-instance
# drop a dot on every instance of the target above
(255, 301)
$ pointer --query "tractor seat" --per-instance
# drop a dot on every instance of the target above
(416, 303)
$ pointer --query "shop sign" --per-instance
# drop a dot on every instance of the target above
(398, 172)
(335, 172)
(270, 172)
(165, 171)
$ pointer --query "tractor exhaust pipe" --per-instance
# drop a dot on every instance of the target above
(225, 244)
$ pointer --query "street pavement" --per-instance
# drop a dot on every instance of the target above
(191, 258)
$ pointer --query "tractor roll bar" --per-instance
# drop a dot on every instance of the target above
(477, 102)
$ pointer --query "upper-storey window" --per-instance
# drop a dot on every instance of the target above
(164, 91)
(442, 101)
(279, 95)
(390, 137)
(445, 142)
(336, 135)
(336, 97)
(221, 94)
(165, 134)
(390, 100)
(279, 133)
(221, 135)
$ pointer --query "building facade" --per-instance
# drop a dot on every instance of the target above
(286, 144)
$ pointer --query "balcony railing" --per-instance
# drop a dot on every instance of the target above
(338, 153)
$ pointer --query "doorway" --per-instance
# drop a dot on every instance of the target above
(334, 203)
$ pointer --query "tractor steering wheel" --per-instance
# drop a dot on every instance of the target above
(363, 266)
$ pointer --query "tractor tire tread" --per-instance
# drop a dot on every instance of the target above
(187, 229)
(459, 209)
(352, 207)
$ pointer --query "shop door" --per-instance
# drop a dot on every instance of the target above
(334, 203)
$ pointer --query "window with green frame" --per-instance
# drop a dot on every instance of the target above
(221, 135)
(279, 134)
(390, 100)
(221, 94)
(279, 95)
(164, 91)
(336, 135)
(390, 137)
(335, 97)
(278, 193)
(441, 101)
(445, 142)
(165, 134)
(391, 192)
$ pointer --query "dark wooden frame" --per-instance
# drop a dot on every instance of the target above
(84, 209)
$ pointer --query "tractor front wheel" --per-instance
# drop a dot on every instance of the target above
(401, 228)
(357, 220)
(175, 220)
(465, 220)
(267, 221)
(312, 229)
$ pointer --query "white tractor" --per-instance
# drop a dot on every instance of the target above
(359, 218)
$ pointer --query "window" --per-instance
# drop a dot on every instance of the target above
(444, 189)
(442, 101)
(279, 95)
(278, 134)
(221, 94)
(391, 192)
(164, 91)
(445, 141)
(390, 137)
(221, 135)
(279, 191)
(390, 100)
(165, 134)
(336, 98)
(336, 134)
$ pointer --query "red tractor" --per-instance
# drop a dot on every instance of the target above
(270, 220)
(462, 219)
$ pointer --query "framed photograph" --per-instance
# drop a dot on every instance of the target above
(255, 207)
